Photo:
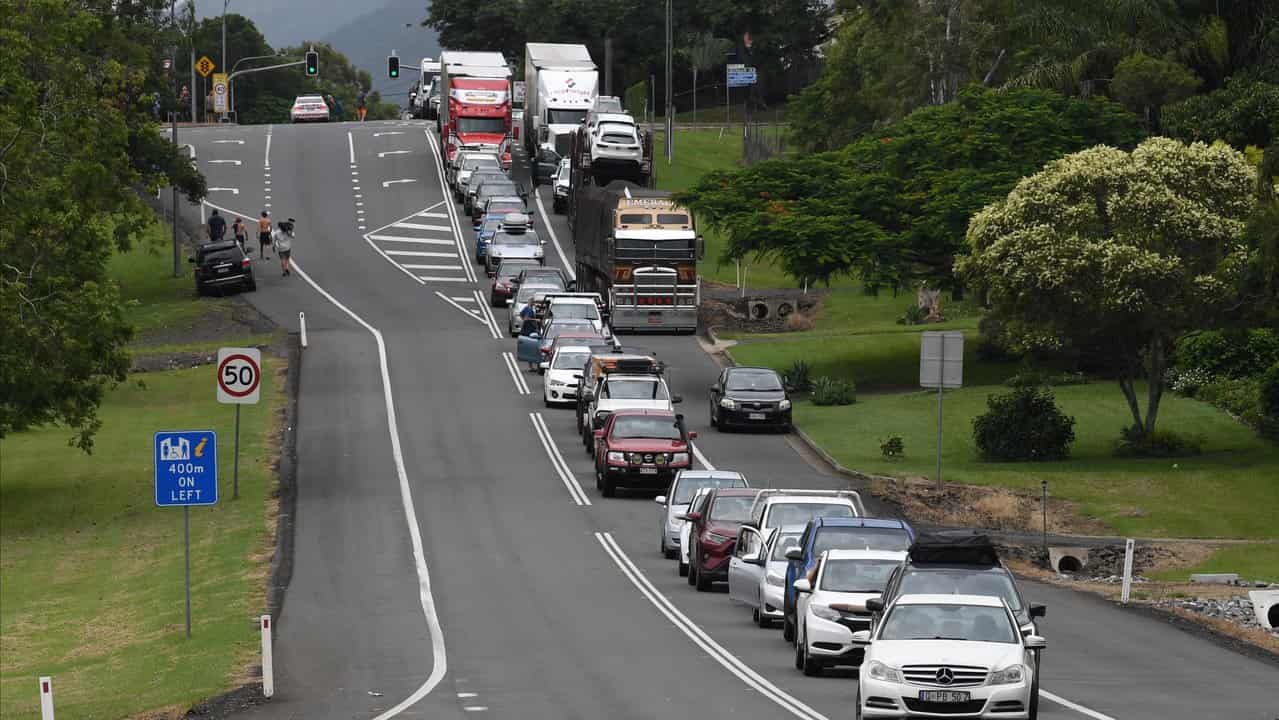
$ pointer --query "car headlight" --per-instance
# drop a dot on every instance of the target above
(617, 457)
(727, 404)
(636, 458)
(679, 459)
(824, 612)
(879, 671)
(558, 383)
(674, 524)
(775, 579)
(716, 538)
(783, 405)
(1008, 676)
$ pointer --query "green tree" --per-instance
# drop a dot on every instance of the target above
(77, 82)
(1118, 252)
(1145, 85)
(1244, 112)
(703, 53)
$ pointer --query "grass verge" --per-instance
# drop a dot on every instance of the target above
(1253, 561)
(91, 571)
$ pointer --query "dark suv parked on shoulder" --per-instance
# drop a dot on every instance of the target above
(220, 265)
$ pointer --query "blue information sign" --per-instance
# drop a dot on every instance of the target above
(741, 77)
(186, 468)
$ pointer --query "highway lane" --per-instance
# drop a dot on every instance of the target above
(539, 615)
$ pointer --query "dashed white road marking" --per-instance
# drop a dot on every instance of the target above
(223, 142)
(419, 226)
(388, 132)
(389, 183)
(393, 152)
(463, 299)
(430, 267)
(398, 238)
(223, 162)
(233, 191)
(442, 216)
(434, 278)
(350, 143)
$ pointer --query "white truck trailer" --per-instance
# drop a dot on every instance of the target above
(561, 83)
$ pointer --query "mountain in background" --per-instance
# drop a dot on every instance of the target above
(289, 22)
(369, 38)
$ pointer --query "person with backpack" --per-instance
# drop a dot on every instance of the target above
(216, 227)
(264, 234)
(283, 241)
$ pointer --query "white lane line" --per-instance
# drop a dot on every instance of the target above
(555, 239)
(1073, 706)
(223, 162)
(432, 267)
(350, 143)
(389, 183)
(390, 132)
(266, 159)
(393, 152)
(730, 662)
(421, 253)
(420, 226)
(464, 299)
(512, 369)
(220, 142)
(402, 238)
(562, 468)
(697, 453)
(436, 278)
(488, 314)
(448, 206)
(361, 227)
(442, 216)
(465, 311)
(467, 695)
(233, 191)
(426, 212)
(475, 708)
(439, 660)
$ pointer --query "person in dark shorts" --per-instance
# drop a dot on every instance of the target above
(361, 102)
(284, 244)
(240, 232)
(216, 227)
(264, 234)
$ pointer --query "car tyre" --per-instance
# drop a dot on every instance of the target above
(692, 573)
(670, 553)
(799, 655)
(546, 402)
(1033, 709)
(610, 487)
(251, 285)
(714, 421)
(683, 569)
(703, 583)
(811, 666)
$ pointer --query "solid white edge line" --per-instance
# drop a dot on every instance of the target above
(266, 165)
(1073, 706)
(350, 143)
(575, 493)
(729, 661)
(452, 211)
(510, 370)
(568, 469)
(519, 376)
(488, 314)
(697, 453)
(449, 300)
(439, 660)
(555, 239)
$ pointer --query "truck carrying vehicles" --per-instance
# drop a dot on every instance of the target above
(639, 250)
(475, 104)
(560, 87)
(426, 102)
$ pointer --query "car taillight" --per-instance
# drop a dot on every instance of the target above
(245, 263)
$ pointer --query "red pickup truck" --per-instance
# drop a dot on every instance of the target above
(641, 449)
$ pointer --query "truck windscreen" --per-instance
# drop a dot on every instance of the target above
(564, 117)
(481, 125)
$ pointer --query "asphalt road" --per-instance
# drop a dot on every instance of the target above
(454, 560)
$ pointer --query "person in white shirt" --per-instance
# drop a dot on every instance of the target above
(283, 241)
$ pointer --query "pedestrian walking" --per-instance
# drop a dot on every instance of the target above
(208, 108)
(184, 101)
(360, 101)
(336, 108)
(284, 244)
(216, 227)
(241, 233)
(264, 234)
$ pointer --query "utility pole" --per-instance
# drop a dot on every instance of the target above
(222, 67)
(670, 105)
(177, 256)
(608, 66)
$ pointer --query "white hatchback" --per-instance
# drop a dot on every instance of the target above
(831, 605)
(565, 369)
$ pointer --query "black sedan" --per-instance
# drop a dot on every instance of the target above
(220, 265)
(749, 397)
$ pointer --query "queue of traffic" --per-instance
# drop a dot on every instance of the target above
(933, 623)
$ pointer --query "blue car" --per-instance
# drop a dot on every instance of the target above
(484, 232)
(837, 533)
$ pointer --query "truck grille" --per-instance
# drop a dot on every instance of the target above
(963, 675)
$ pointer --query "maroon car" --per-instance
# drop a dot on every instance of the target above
(713, 534)
(640, 449)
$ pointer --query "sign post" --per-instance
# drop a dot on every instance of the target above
(239, 383)
(220, 93)
(941, 366)
(46, 697)
(186, 474)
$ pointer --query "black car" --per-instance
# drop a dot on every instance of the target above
(491, 188)
(478, 178)
(750, 397)
(221, 265)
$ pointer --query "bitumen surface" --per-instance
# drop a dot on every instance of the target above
(452, 555)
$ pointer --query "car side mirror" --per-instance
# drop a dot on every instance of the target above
(875, 605)
(861, 637)
(802, 585)
(692, 435)
(544, 365)
(1038, 610)
(571, 285)
(599, 434)
(510, 302)
(794, 554)
(660, 499)
(691, 517)
(676, 399)
(1035, 642)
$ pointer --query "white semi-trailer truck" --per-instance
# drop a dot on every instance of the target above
(560, 86)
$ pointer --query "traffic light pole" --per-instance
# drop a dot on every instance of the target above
(231, 78)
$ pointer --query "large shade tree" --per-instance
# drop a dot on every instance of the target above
(1121, 253)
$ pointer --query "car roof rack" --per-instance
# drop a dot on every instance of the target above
(954, 547)
(635, 365)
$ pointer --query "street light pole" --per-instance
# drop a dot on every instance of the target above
(670, 108)
(222, 67)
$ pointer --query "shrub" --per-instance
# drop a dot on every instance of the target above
(991, 342)
(1187, 382)
(833, 391)
(1240, 397)
(892, 448)
(1030, 377)
(635, 99)
(1269, 395)
(1229, 354)
(797, 378)
(914, 315)
(1133, 443)
(1025, 424)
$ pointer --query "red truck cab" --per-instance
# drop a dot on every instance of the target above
(475, 110)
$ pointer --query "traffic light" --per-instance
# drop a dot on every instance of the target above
(392, 66)
(312, 63)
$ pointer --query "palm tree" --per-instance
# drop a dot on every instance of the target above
(704, 53)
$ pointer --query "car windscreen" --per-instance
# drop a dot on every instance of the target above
(860, 538)
(919, 581)
(688, 487)
(571, 360)
(643, 426)
(480, 125)
(763, 381)
(731, 508)
(564, 117)
(977, 623)
(578, 311)
(784, 543)
(801, 513)
(859, 576)
(510, 238)
(557, 328)
(637, 390)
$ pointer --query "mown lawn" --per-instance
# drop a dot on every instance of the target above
(1217, 494)
(157, 301)
(1253, 561)
(697, 152)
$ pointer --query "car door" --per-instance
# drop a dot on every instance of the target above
(801, 599)
(717, 390)
(743, 569)
(528, 348)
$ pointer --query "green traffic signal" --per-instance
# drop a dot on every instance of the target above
(392, 66)
(313, 63)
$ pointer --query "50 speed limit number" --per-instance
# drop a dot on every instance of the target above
(239, 375)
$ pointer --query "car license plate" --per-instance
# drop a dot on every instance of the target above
(222, 269)
(756, 416)
(943, 696)
(648, 471)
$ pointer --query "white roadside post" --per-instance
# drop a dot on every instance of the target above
(268, 672)
(941, 366)
(1127, 572)
(302, 326)
(46, 698)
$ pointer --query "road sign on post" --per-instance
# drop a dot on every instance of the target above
(204, 66)
(941, 366)
(741, 75)
(219, 93)
(186, 474)
(239, 383)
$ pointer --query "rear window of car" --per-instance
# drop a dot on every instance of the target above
(509, 269)
(801, 513)
(837, 538)
(579, 311)
(641, 426)
(688, 487)
(479, 162)
(636, 390)
(310, 100)
(221, 256)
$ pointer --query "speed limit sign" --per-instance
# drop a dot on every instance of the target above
(239, 375)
